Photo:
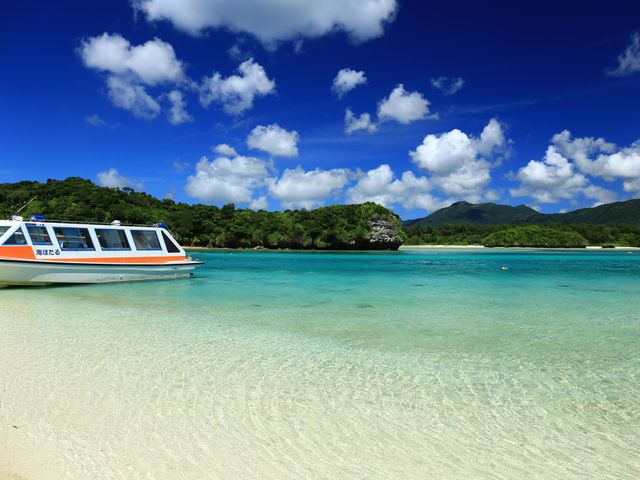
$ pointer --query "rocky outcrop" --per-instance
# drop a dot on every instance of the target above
(385, 234)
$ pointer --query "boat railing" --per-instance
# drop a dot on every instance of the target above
(196, 256)
(75, 222)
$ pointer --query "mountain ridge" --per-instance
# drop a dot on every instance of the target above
(462, 212)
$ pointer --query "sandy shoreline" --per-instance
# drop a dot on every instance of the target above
(22, 458)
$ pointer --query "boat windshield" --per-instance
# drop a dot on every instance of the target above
(17, 238)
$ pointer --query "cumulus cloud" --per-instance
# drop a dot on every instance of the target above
(227, 179)
(629, 60)
(380, 185)
(597, 157)
(260, 203)
(274, 140)
(353, 123)
(447, 85)
(402, 106)
(585, 156)
(308, 189)
(632, 186)
(131, 96)
(178, 113)
(346, 80)
(237, 92)
(460, 164)
(274, 21)
(151, 63)
(555, 178)
(130, 69)
(111, 178)
(225, 150)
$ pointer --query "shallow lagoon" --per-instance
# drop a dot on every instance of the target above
(412, 364)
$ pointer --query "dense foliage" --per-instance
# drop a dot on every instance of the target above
(339, 226)
(77, 199)
(547, 234)
(534, 236)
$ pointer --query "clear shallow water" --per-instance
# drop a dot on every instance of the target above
(415, 364)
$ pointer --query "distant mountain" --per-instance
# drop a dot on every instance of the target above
(618, 212)
(627, 212)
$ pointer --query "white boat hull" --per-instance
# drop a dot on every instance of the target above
(41, 273)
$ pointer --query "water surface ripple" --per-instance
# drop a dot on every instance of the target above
(415, 364)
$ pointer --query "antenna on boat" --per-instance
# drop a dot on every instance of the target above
(22, 208)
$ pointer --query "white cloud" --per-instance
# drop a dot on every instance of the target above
(237, 92)
(225, 179)
(180, 166)
(260, 203)
(597, 157)
(130, 69)
(353, 123)
(402, 106)
(178, 113)
(554, 178)
(111, 178)
(632, 186)
(225, 150)
(380, 185)
(151, 63)
(581, 150)
(492, 139)
(447, 85)
(96, 121)
(274, 140)
(274, 21)
(299, 189)
(346, 80)
(629, 60)
(133, 97)
(600, 195)
(460, 164)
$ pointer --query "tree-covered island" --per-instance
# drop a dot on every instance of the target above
(344, 227)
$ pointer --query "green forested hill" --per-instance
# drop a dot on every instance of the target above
(489, 224)
(466, 213)
(366, 226)
(627, 212)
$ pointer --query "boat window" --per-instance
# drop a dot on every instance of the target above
(170, 244)
(17, 238)
(39, 235)
(112, 239)
(74, 238)
(146, 240)
(3, 230)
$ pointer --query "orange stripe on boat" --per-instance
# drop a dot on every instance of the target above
(17, 252)
(141, 260)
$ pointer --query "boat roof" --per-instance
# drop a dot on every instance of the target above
(116, 223)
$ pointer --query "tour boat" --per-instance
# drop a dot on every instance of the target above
(41, 252)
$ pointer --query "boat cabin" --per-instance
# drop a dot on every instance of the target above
(38, 239)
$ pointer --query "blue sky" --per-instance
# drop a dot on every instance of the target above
(219, 101)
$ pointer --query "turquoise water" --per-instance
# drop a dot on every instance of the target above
(412, 364)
